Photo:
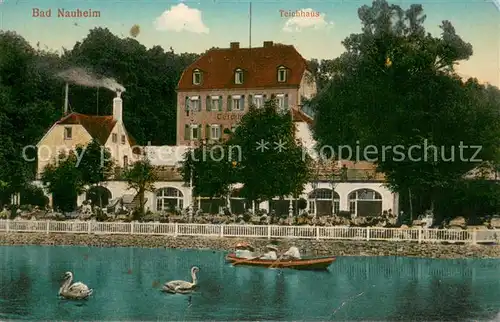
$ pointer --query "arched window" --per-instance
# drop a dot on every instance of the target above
(365, 202)
(324, 201)
(169, 199)
(99, 196)
(196, 77)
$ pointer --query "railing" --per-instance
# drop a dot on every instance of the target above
(419, 235)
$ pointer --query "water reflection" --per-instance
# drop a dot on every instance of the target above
(127, 283)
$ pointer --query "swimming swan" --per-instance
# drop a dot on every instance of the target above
(182, 286)
(76, 291)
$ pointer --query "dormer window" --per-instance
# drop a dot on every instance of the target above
(282, 74)
(238, 76)
(196, 77)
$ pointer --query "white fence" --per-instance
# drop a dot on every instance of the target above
(251, 231)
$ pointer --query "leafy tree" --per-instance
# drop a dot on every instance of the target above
(395, 85)
(141, 177)
(95, 166)
(471, 199)
(26, 97)
(64, 181)
(210, 168)
(322, 71)
(269, 173)
(33, 195)
(95, 163)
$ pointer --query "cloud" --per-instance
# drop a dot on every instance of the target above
(306, 18)
(181, 18)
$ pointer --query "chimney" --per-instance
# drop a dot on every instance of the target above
(268, 44)
(234, 45)
(66, 94)
(117, 106)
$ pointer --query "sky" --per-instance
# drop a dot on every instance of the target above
(194, 26)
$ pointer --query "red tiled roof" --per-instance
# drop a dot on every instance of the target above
(260, 66)
(99, 127)
(299, 116)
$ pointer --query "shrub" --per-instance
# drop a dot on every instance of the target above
(33, 195)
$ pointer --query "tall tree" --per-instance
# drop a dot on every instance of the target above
(141, 177)
(26, 97)
(95, 163)
(210, 169)
(396, 85)
(95, 166)
(273, 163)
(64, 181)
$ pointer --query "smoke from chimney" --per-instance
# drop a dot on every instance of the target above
(66, 94)
(80, 76)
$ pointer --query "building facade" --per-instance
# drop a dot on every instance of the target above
(213, 94)
(217, 90)
(77, 129)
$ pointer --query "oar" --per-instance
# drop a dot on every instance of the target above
(276, 262)
(245, 260)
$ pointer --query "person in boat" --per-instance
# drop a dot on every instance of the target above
(271, 254)
(292, 253)
(244, 250)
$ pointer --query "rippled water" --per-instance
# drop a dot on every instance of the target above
(126, 285)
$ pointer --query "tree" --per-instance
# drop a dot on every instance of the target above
(26, 97)
(210, 168)
(322, 70)
(64, 181)
(141, 177)
(95, 166)
(95, 162)
(396, 85)
(268, 172)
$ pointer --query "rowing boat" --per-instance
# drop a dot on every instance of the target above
(317, 263)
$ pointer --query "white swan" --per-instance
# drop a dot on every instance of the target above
(182, 286)
(76, 291)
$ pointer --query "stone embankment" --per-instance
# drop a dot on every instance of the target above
(309, 247)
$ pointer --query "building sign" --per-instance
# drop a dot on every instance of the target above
(229, 116)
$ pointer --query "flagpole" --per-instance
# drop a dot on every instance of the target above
(250, 26)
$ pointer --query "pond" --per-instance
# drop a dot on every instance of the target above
(127, 281)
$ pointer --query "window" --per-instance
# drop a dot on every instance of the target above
(215, 132)
(195, 132)
(114, 137)
(196, 77)
(282, 74)
(281, 101)
(169, 199)
(365, 202)
(238, 76)
(68, 133)
(123, 139)
(237, 103)
(215, 103)
(125, 162)
(195, 104)
(324, 201)
(258, 101)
